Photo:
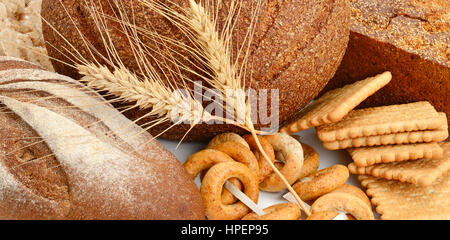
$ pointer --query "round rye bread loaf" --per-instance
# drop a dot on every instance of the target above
(296, 48)
(63, 157)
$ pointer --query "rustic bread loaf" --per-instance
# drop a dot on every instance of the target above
(66, 154)
(296, 48)
(410, 38)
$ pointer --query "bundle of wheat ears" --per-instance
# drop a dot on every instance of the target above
(153, 87)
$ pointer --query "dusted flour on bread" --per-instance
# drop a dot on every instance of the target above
(21, 31)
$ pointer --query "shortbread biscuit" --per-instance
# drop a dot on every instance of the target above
(384, 120)
(423, 172)
(404, 201)
(367, 156)
(336, 104)
(389, 139)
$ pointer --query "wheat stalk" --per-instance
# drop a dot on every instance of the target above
(151, 92)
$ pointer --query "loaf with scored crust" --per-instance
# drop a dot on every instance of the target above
(66, 154)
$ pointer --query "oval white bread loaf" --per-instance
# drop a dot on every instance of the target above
(67, 154)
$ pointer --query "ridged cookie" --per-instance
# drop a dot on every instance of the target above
(423, 172)
(367, 156)
(404, 201)
(389, 139)
(384, 120)
(336, 104)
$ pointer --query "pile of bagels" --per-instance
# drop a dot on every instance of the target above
(232, 159)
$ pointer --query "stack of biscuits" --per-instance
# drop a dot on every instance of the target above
(397, 150)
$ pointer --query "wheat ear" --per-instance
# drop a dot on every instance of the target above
(219, 60)
(147, 93)
(213, 47)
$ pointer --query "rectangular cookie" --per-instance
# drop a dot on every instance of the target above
(384, 120)
(390, 139)
(404, 201)
(367, 156)
(423, 172)
(336, 104)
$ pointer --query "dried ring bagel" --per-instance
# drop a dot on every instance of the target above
(343, 202)
(264, 167)
(204, 160)
(346, 188)
(239, 153)
(321, 182)
(227, 137)
(293, 153)
(283, 211)
(311, 160)
(212, 185)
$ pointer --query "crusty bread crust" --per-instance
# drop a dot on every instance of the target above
(409, 38)
(84, 168)
(297, 48)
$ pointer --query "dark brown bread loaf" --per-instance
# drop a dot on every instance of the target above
(297, 47)
(65, 154)
(410, 38)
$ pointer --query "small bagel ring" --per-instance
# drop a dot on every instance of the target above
(239, 153)
(293, 153)
(283, 211)
(343, 202)
(346, 188)
(212, 186)
(227, 137)
(311, 160)
(204, 160)
(321, 182)
(264, 167)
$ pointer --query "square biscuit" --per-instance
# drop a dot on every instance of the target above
(384, 120)
(396, 200)
(336, 104)
(367, 156)
(426, 136)
(423, 172)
